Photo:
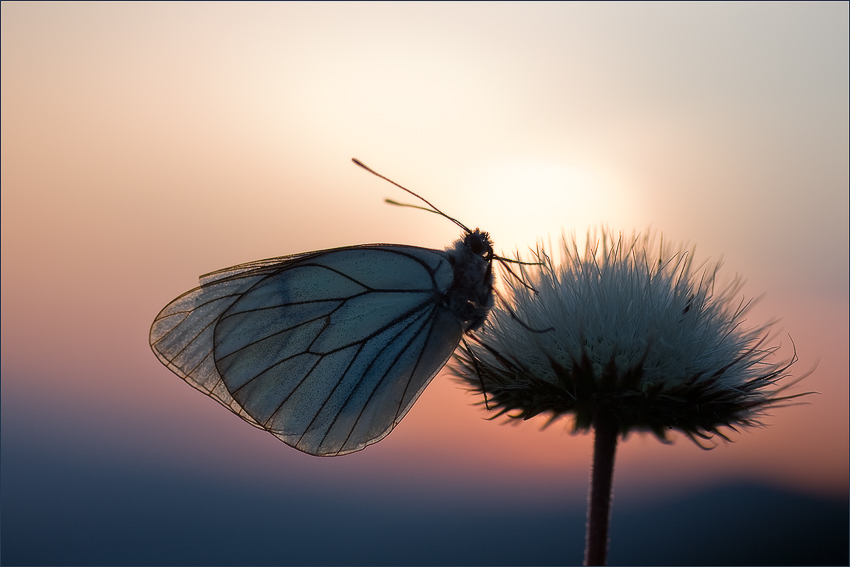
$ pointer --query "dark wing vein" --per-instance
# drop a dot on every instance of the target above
(425, 326)
(409, 320)
(181, 337)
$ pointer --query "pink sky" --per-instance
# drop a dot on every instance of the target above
(146, 144)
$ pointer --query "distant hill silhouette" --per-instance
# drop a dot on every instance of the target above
(62, 512)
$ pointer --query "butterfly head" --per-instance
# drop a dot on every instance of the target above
(478, 242)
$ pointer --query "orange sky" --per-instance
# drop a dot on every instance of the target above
(146, 144)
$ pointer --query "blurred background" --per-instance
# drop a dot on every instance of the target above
(146, 144)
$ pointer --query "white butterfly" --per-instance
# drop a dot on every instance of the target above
(328, 350)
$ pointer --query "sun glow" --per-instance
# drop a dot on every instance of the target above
(528, 200)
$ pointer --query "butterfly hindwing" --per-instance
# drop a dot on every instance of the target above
(181, 337)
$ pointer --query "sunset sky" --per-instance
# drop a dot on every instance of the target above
(146, 144)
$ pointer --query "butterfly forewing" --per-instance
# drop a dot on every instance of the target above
(326, 350)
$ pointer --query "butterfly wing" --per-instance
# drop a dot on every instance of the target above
(181, 336)
(327, 350)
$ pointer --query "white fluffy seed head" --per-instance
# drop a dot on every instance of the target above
(631, 326)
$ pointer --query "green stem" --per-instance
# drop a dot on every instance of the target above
(599, 501)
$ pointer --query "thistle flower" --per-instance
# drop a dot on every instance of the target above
(625, 337)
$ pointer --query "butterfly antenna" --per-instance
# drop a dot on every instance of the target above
(421, 208)
(433, 209)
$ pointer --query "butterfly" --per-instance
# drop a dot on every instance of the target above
(329, 350)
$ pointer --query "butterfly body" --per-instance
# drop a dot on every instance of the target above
(327, 350)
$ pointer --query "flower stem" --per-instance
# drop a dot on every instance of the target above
(599, 501)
